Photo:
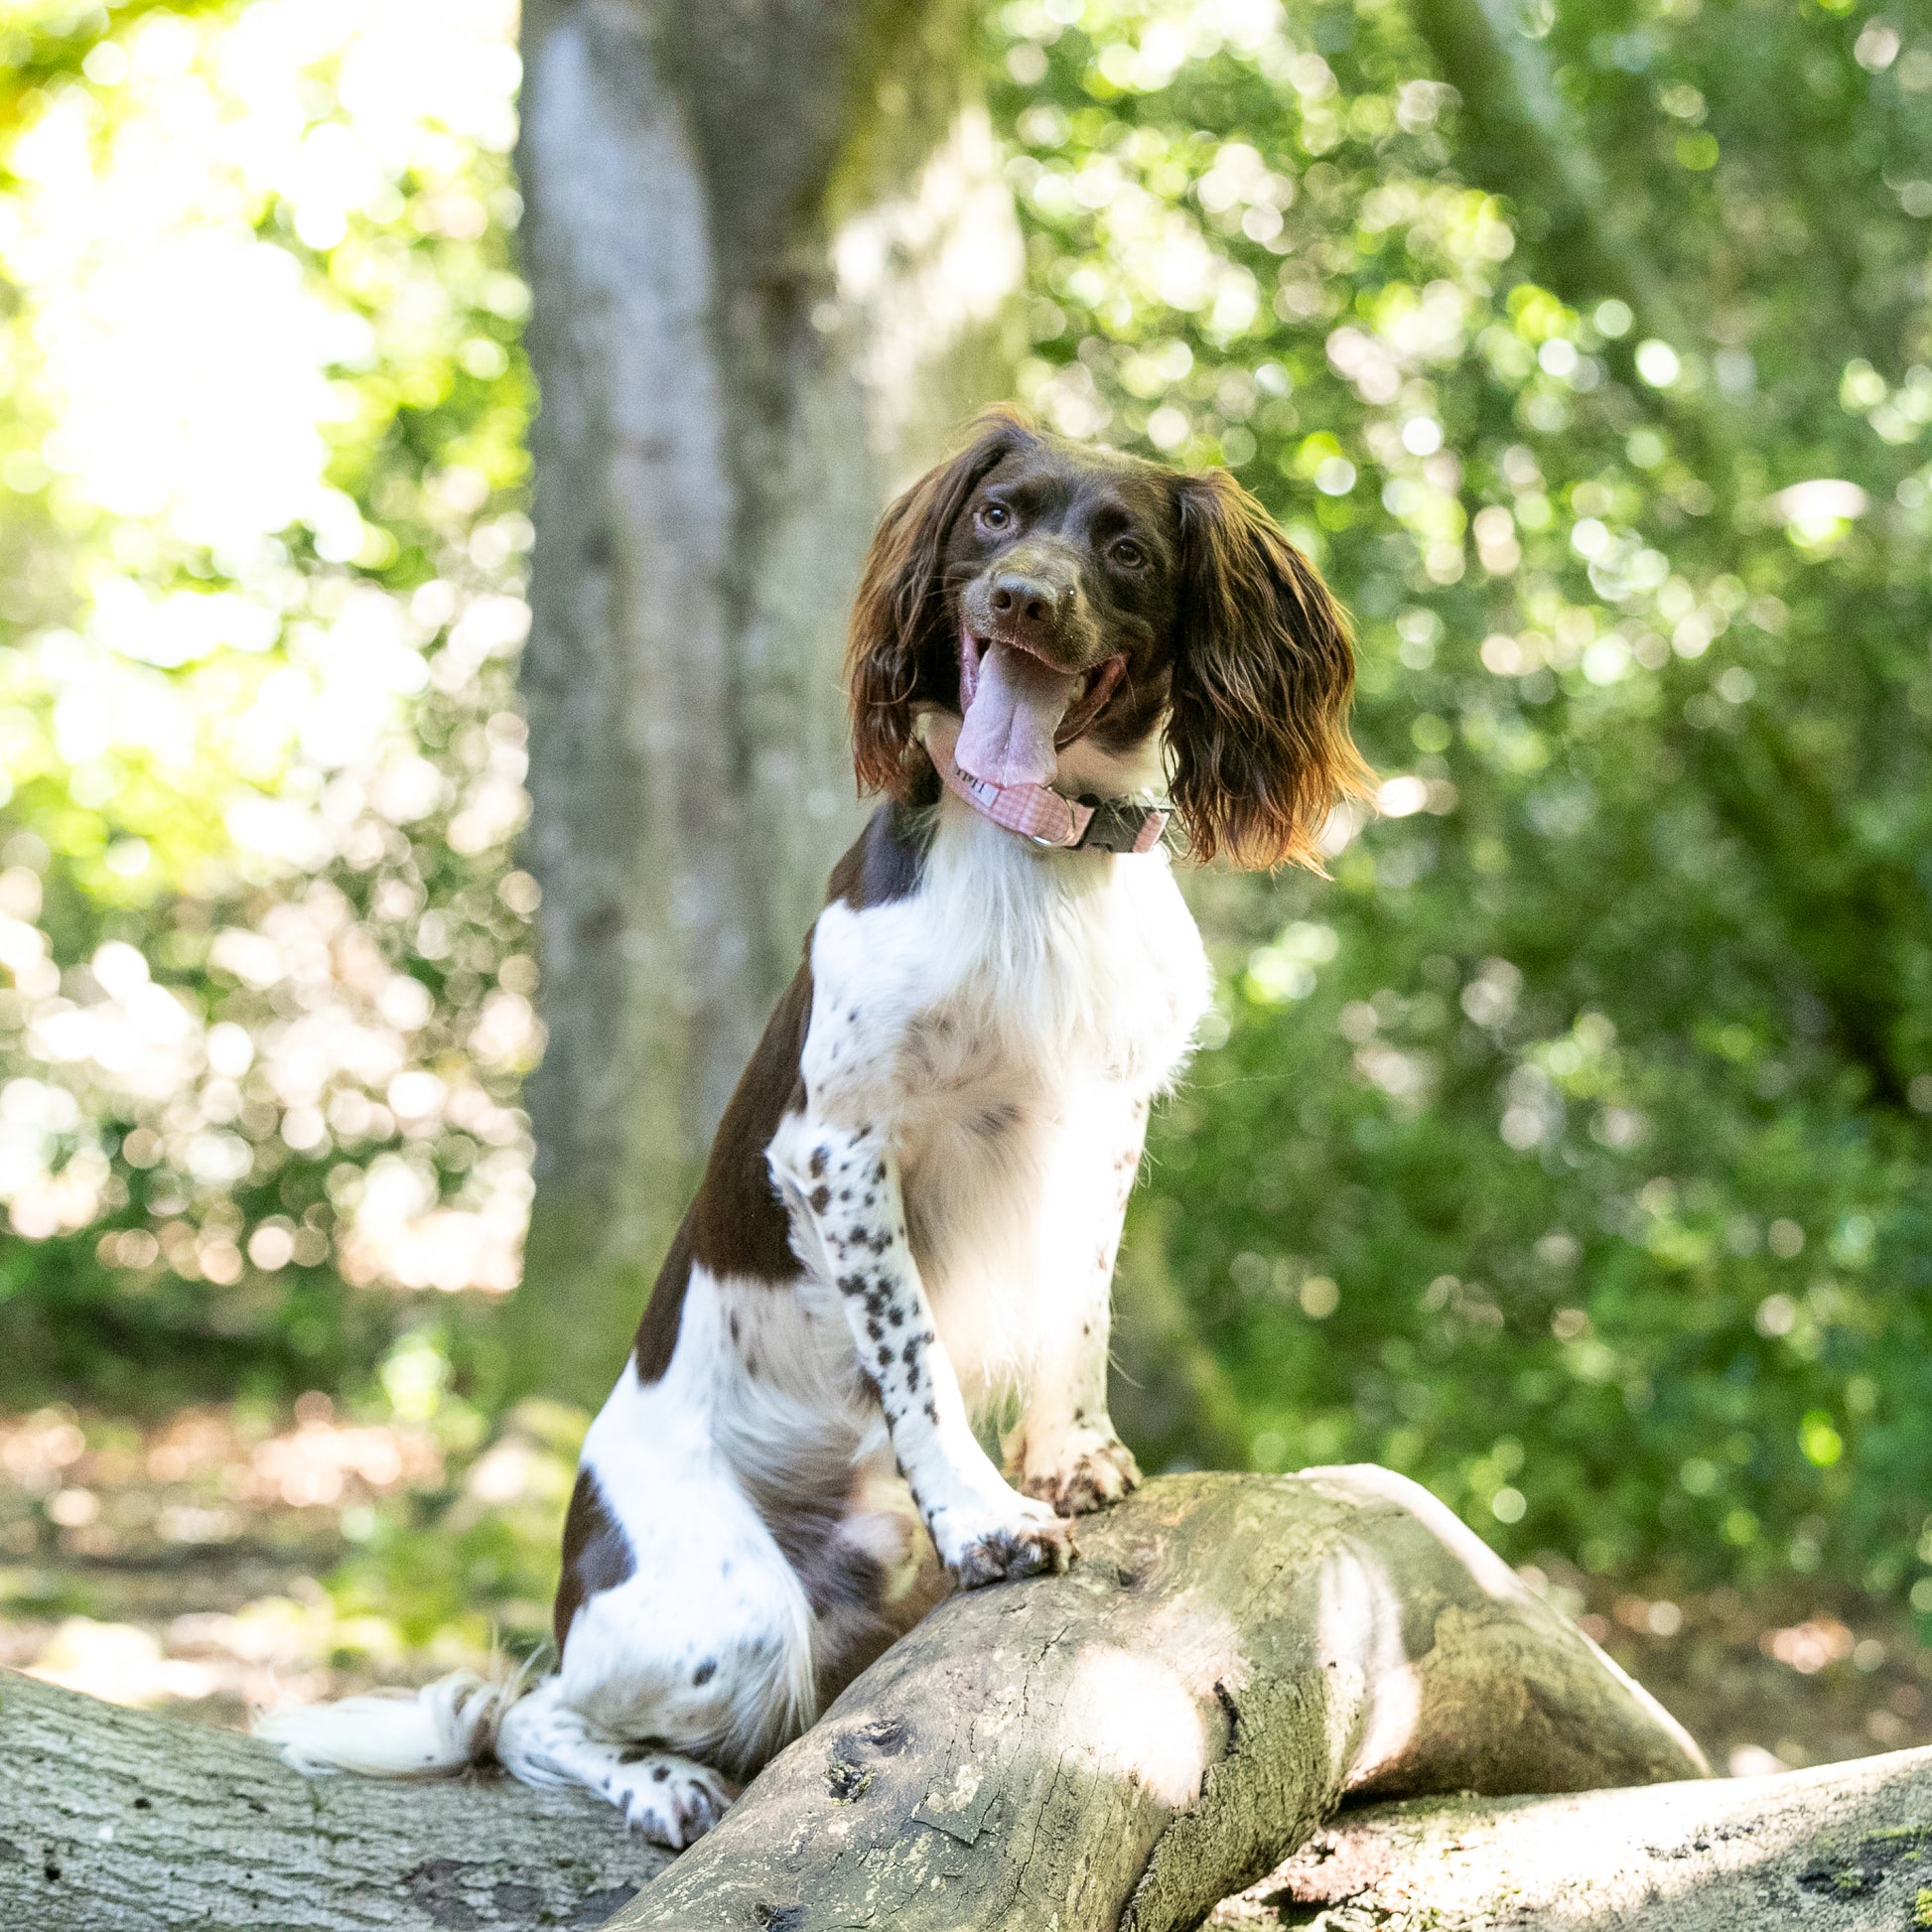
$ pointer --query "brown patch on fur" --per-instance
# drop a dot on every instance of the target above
(839, 1578)
(859, 1615)
(736, 1223)
(657, 1332)
(596, 1554)
(1263, 674)
(887, 859)
(739, 1225)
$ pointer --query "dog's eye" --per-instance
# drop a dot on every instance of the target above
(1129, 554)
(995, 516)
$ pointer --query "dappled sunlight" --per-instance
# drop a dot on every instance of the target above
(1565, 1150)
(202, 1478)
(225, 1558)
(189, 362)
(118, 1662)
(1358, 1635)
(926, 268)
(1466, 1548)
(239, 249)
(1145, 1709)
(1518, 1160)
(339, 1066)
(1749, 1853)
(1138, 1719)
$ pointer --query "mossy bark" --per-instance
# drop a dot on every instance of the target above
(120, 1821)
(1844, 1848)
(1116, 1749)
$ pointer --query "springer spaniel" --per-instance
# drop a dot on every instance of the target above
(910, 1214)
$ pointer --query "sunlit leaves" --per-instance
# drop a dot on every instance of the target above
(268, 415)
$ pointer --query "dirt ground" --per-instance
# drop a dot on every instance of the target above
(201, 1564)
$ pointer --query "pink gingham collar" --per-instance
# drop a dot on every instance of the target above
(1040, 813)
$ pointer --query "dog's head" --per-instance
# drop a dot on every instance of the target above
(1098, 619)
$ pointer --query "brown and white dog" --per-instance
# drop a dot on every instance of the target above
(910, 1214)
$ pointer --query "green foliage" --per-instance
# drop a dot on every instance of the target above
(476, 1566)
(261, 536)
(1569, 1151)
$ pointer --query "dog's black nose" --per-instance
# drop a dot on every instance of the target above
(1030, 605)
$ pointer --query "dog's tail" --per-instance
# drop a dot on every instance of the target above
(434, 1733)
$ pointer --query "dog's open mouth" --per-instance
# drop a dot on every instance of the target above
(1020, 710)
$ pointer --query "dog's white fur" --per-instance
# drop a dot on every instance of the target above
(1052, 994)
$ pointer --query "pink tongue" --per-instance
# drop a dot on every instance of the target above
(1016, 707)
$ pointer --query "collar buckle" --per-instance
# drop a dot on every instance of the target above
(1121, 825)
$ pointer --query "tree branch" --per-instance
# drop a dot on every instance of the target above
(120, 1821)
(1526, 146)
(1838, 1849)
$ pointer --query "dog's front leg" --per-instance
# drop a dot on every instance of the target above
(1065, 1450)
(846, 1184)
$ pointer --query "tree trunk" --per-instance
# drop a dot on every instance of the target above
(1121, 1747)
(1840, 1848)
(771, 258)
(1523, 143)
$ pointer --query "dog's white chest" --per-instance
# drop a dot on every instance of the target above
(1010, 975)
(1005, 1027)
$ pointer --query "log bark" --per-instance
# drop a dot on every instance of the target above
(1844, 1848)
(120, 1821)
(1118, 1747)
(771, 258)
(1123, 1746)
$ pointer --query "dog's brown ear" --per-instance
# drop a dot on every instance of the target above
(899, 653)
(1263, 674)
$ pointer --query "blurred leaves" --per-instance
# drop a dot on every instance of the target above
(1571, 1151)
(262, 540)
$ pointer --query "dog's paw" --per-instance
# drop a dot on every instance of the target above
(1023, 1539)
(1086, 1469)
(668, 1799)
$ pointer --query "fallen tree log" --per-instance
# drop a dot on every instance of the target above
(1124, 1746)
(1120, 1746)
(120, 1821)
(1838, 1849)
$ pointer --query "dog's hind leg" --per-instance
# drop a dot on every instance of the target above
(668, 1796)
(686, 1637)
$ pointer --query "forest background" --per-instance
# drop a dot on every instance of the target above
(1569, 1150)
